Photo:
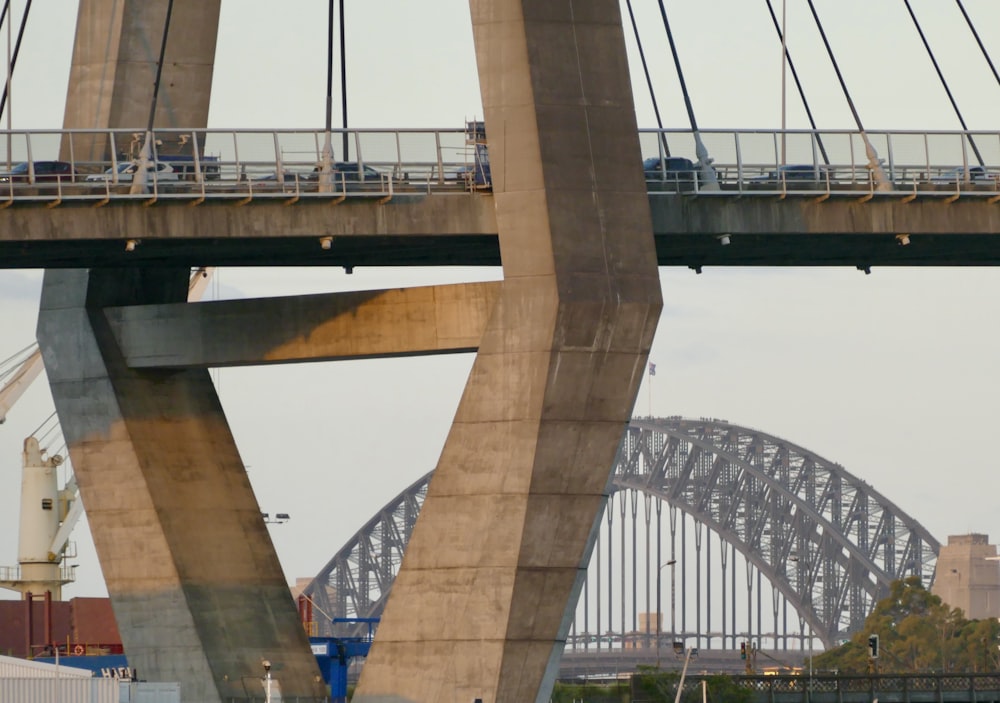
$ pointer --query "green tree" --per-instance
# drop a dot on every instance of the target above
(918, 633)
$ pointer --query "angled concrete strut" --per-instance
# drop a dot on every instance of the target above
(485, 594)
(196, 586)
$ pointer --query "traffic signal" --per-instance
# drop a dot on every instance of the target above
(873, 646)
(743, 650)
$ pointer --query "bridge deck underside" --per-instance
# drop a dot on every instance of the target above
(461, 231)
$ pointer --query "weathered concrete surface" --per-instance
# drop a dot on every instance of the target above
(226, 219)
(197, 590)
(356, 325)
(196, 586)
(114, 68)
(461, 230)
(483, 601)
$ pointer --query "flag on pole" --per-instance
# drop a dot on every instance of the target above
(652, 369)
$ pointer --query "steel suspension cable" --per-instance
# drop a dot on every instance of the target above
(343, 73)
(707, 172)
(677, 65)
(17, 50)
(326, 157)
(146, 158)
(873, 162)
(649, 82)
(3, 13)
(978, 40)
(329, 68)
(944, 83)
(798, 83)
(159, 67)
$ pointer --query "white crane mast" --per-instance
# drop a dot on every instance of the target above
(18, 380)
(48, 515)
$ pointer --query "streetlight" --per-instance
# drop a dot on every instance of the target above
(659, 624)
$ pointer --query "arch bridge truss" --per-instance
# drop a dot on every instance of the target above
(826, 542)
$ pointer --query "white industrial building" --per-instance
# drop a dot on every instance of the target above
(23, 681)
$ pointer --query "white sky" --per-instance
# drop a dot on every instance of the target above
(892, 375)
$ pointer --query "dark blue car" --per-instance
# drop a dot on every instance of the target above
(672, 173)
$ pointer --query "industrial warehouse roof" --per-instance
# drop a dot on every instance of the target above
(14, 668)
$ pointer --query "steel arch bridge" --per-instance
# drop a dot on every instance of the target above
(827, 542)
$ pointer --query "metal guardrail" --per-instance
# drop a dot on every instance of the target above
(10, 574)
(823, 164)
(238, 165)
(246, 165)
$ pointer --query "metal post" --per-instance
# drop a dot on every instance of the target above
(673, 573)
(659, 629)
(680, 685)
(784, 65)
(10, 75)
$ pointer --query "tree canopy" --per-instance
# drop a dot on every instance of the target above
(918, 633)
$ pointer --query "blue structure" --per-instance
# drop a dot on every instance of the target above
(334, 654)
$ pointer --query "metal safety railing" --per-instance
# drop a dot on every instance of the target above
(824, 163)
(53, 166)
(240, 165)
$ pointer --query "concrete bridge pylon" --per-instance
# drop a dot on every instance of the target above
(486, 592)
(193, 576)
(194, 580)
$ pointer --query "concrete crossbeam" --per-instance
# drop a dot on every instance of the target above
(484, 598)
(334, 326)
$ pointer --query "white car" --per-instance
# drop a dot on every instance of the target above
(164, 172)
(976, 174)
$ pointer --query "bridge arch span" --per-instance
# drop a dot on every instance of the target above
(826, 541)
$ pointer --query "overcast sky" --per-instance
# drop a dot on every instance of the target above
(892, 375)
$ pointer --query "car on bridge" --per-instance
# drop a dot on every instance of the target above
(349, 172)
(794, 175)
(163, 172)
(670, 173)
(960, 174)
(39, 171)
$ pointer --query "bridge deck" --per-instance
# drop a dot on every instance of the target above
(460, 230)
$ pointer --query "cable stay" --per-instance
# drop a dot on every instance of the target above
(944, 83)
(979, 41)
(708, 176)
(649, 82)
(882, 181)
(17, 50)
(798, 84)
(139, 179)
(326, 159)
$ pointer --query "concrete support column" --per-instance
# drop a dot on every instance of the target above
(194, 580)
(484, 599)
